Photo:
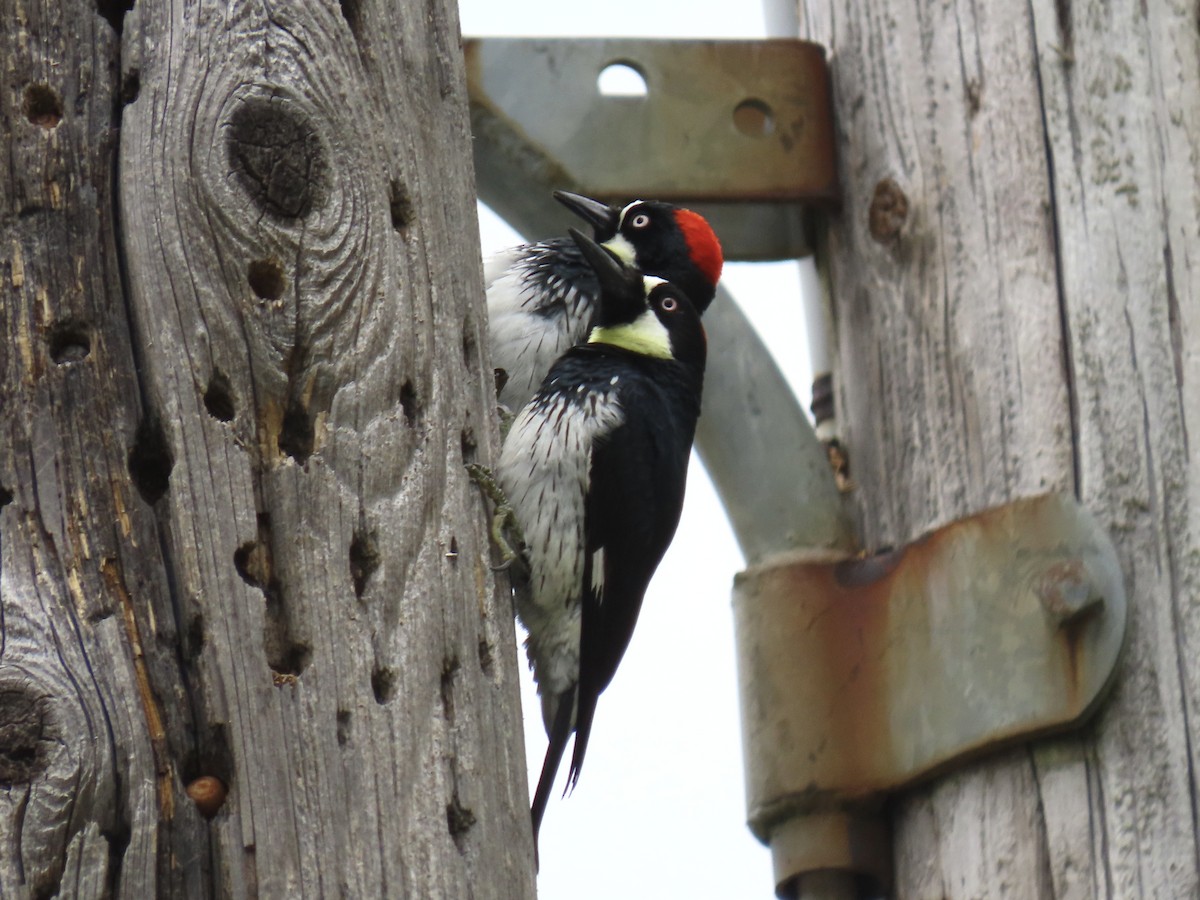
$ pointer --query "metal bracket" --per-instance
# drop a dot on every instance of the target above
(860, 677)
(740, 131)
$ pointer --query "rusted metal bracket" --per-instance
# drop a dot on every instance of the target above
(860, 677)
(741, 131)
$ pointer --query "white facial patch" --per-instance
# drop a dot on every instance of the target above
(622, 249)
(619, 244)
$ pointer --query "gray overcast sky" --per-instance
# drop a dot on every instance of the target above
(659, 811)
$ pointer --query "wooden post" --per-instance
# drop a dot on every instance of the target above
(244, 364)
(1015, 276)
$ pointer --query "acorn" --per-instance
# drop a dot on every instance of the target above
(208, 793)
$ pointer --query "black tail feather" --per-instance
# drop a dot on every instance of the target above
(560, 733)
(583, 730)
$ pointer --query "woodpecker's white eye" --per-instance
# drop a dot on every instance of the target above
(669, 304)
(641, 220)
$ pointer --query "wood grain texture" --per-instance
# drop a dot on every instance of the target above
(1015, 283)
(89, 709)
(236, 539)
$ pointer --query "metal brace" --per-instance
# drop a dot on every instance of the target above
(740, 131)
(860, 677)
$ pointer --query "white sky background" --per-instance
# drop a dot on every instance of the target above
(659, 811)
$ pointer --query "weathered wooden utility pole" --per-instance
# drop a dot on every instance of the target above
(243, 365)
(1015, 279)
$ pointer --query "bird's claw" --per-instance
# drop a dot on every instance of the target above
(506, 417)
(505, 529)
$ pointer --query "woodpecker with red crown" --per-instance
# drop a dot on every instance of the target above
(542, 297)
(593, 469)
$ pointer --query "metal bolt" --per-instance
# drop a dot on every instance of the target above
(1067, 593)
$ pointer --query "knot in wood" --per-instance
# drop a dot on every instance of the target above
(23, 736)
(889, 211)
(278, 157)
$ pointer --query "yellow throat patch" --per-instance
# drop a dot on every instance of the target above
(645, 335)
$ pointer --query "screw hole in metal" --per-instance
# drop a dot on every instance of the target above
(754, 118)
(621, 79)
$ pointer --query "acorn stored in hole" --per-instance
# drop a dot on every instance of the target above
(208, 793)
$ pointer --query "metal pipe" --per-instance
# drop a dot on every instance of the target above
(782, 19)
(760, 450)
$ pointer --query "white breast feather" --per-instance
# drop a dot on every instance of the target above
(544, 471)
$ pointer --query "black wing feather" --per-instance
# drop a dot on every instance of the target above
(635, 498)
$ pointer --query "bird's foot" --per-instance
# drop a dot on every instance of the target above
(505, 529)
(506, 417)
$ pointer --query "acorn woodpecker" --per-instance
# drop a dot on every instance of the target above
(541, 297)
(593, 469)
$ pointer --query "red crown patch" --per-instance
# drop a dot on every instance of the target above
(703, 246)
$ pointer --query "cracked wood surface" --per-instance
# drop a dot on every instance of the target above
(245, 365)
(1017, 311)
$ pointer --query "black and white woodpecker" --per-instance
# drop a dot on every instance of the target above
(542, 297)
(594, 468)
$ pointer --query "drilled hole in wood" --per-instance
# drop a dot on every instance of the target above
(194, 638)
(208, 769)
(401, 205)
(974, 96)
(288, 661)
(286, 655)
(297, 435)
(459, 820)
(383, 684)
(469, 445)
(266, 278)
(113, 12)
(118, 835)
(252, 560)
(364, 559)
(343, 727)
(450, 667)
(23, 736)
(1066, 27)
(131, 85)
(151, 460)
(352, 13)
(452, 550)
(41, 105)
(754, 118)
(470, 346)
(218, 397)
(409, 403)
(486, 657)
(45, 885)
(69, 342)
(621, 79)
(277, 156)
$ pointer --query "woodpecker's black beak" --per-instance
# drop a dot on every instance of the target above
(602, 217)
(622, 288)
